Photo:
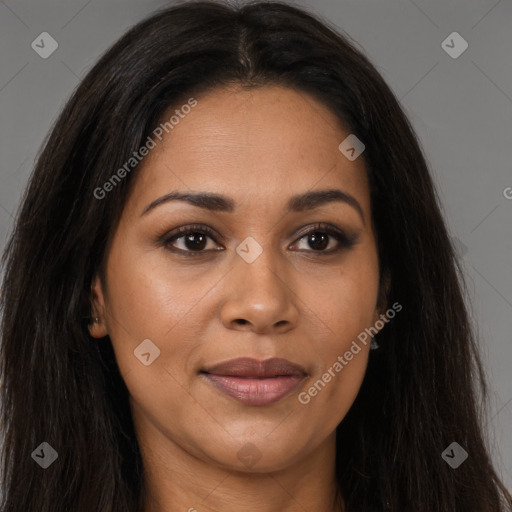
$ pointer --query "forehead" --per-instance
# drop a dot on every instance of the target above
(260, 146)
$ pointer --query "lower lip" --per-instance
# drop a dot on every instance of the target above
(255, 391)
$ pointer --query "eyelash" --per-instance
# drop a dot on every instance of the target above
(344, 241)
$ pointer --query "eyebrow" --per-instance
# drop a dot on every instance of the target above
(220, 203)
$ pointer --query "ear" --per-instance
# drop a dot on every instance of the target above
(98, 329)
(382, 302)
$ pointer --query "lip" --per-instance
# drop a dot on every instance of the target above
(255, 382)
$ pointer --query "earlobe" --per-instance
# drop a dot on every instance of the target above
(97, 327)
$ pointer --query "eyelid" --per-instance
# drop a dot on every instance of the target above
(319, 226)
(183, 230)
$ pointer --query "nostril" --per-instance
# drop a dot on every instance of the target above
(241, 321)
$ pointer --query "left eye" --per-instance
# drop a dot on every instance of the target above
(317, 240)
(319, 237)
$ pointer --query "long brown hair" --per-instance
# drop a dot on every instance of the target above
(424, 388)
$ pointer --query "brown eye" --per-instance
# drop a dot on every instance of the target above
(194, 241)
(319, 239)
(191, 239)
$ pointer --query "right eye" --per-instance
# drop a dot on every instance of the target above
(193, 239)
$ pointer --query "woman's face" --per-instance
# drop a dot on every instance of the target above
(257, 287)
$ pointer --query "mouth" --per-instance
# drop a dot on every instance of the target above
(254, 382)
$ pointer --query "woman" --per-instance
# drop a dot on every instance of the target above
(230, 213)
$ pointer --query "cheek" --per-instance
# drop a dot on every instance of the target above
(344, 301)
(331, 392)
(340, 358)
(150, 299)
(343, 308)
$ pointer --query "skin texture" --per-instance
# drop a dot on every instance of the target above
(258, 147)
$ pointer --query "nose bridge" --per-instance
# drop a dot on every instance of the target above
(262, 270)
(261, 296)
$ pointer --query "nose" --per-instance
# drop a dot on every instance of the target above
(259, 298)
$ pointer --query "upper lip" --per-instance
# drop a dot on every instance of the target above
(249, 367)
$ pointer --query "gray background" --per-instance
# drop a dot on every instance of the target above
(461, 109)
